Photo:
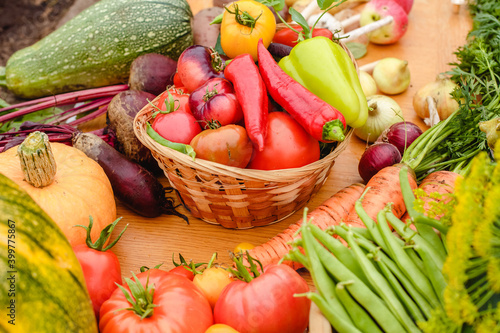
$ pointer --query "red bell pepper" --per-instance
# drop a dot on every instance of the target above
(251, 92)
(290, 37)
(318, 118)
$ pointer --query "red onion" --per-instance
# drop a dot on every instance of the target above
(377, 157)
(401, 135)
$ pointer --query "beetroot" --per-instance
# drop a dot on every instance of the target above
(152, 72)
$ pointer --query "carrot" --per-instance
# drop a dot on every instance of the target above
(331, 212)
(382, 188)
(439, 182)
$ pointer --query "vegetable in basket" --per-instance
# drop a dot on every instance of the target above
(319, 119)
(243, 23)
(325, 69)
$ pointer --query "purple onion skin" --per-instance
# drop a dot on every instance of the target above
(377, 157)
(400, 133)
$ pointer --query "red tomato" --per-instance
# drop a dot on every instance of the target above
(265, 304)
(212, 281)
(180, 127)
(180, 307)
(100, 266)
(178, 100)
(228, 145)
(289, 37)
(287, 145)
(215, 100)
(101, 270)
(182, 270)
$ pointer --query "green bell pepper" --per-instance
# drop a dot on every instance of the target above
(325, 69)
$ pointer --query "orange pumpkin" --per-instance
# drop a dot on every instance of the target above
(64, 182)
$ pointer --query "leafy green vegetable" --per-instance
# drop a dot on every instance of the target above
(358, 50)
(452, 143)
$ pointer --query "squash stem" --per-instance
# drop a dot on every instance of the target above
(37, 161)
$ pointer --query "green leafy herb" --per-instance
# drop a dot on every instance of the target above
(358, 50)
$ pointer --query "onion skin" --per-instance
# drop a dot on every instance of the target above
(368, 84)
(392, 75)
(401, 135)
(376, 157)
(440, 91)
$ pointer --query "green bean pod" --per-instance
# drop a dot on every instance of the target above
(383, 288)
(340, 251)
(330, 314)
(405, 263)
(324, 284)
(360, 317)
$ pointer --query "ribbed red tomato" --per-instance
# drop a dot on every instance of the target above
(176, 306)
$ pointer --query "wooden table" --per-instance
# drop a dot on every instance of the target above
(435, 31)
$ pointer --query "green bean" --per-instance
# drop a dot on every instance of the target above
(405, 263)
(362, 232)
(339, 250)
(180, 147)
(409, 198)
(408, 302)
(414, 257)
(383, 288)
(360, 317)
(360, 291)
(333, 317)
(324, 284)
(403, 230)
(434, 273)
(368, 222)
(409, 287)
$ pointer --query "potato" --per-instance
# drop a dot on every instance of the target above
(204, 33)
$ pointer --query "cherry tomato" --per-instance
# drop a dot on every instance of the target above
(289, 37)
(241, 36)
(177, 305)
(228, 145)
(180, 127)
(266, 304)
(197, 64)
(212, 281)
(215, 101)
(101, 268)
(183, 270)
(243, 247)
(221, 328)
(287, 145)
(173, 99)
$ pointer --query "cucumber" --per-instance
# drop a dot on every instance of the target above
(97, 46)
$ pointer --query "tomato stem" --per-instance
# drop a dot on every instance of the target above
(140, 297)
(244, 18)
(98, 245)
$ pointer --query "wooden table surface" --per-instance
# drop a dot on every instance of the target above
(434, 33)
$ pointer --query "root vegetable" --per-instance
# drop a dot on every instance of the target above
(121, 113)
(377, 157)
(392, 75)
(368, 84)
(133, 185)
(205, 33)
(152, 72)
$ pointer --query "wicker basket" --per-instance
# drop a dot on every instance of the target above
(234, 197)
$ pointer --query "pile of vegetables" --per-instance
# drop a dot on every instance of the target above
(394, 276)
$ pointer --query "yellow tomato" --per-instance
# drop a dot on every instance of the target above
(243, 247)
(221, 328)
(245, 22)
(211, 282)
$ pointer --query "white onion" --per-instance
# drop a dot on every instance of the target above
(383, 111)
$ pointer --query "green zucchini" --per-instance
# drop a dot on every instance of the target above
(96, 47)
(42, 286)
